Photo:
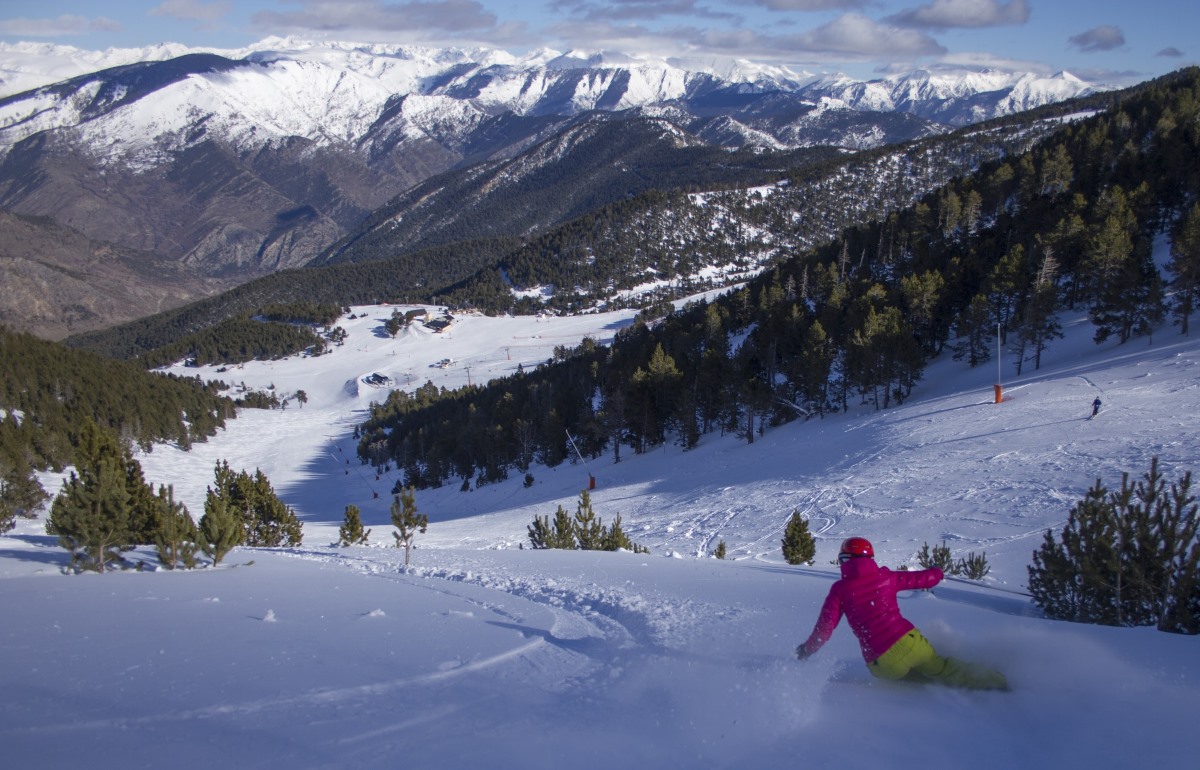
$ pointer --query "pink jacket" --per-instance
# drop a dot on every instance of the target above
(867, 595)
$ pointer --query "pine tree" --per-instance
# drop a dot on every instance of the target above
(145, 509)
(266, 520)
(813, 367)
(976, 333)
(351, 532)
(972, 567)
(221, 529)
(1130, 557)
(799, 546)
(564, 530)
(589, 530)
(20, 492)
(91, 514)
(615, 538)
(177, 540)
(719, 551)
(1161, 551)
(540, 532)
(1038, 320)
(1184, 266)
(559, 533)
(939, 556)
(407, 520)
(1127, 294)
(275, 523)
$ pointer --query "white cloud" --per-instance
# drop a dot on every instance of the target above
(193, 10)
(857, 35)
(66, 24)
(1104, 38)
(626, 10)
(322, 16)
(850, 38)
(807, 5)
(950, 14)
(975, 61)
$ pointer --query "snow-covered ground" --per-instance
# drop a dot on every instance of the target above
(486, 655)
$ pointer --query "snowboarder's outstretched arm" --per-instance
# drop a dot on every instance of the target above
(831, 614)
(907, 580)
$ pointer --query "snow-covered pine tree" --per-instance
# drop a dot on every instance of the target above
(799, 546)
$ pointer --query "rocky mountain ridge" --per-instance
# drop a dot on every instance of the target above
(237, 164)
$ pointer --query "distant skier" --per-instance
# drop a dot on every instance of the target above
(892, 647)
(1096, 406)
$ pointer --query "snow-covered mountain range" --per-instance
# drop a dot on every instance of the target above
(334, 92)
(234, 164)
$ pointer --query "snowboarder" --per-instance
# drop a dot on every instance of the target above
(1096, 406)
(892, 647)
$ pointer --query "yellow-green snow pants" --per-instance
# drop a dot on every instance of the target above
(913, 658)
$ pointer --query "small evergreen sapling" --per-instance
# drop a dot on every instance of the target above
(564, 530)
(584, 531)
(407, 520)
(615, 538)
(589, 530)
(972, 567)
(939, 556)
(539, 532)
(220, 529)
(719, 551)
(799, 547)
(557, 534)
(351, 532)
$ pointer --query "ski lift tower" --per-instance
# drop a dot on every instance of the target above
(999, 389)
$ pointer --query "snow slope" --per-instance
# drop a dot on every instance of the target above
(483, 654)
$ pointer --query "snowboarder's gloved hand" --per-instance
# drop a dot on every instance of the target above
(801, 652)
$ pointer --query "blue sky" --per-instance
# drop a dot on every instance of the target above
(1106, 40)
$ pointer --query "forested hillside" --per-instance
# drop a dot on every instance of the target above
(604, 159)
(1068, 223)
(682, 243)
(48, 391)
